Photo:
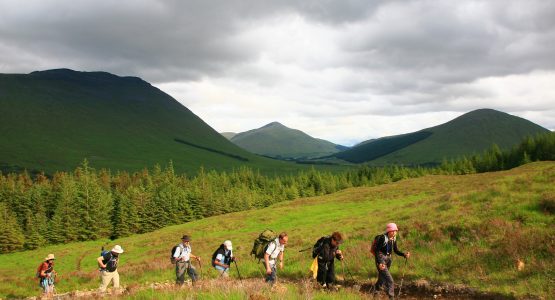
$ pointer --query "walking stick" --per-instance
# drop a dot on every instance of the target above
(200, 266)
(237, 267)
(306, 249)
(402, 278)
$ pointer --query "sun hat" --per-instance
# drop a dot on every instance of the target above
(186, 238)
(391, 227)
(228, 245)
(49, 257)
(117, 249)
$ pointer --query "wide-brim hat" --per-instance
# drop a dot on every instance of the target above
(49, 257)
(186, 238)
(117, 249)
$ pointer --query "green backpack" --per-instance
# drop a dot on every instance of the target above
(262, 242)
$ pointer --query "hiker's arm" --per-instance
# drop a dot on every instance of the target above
(267, 263)
(219, 263)
(195, 257)
(339, 254)
(100, 263)
(397, 250)
(281, 260)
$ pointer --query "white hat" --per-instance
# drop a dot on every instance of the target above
(227, 244)
(49, 257)
(117, 249)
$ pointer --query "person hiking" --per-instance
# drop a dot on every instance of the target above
(108, 263)
(275, 250)
(222, 258)
(385, 244)
(183, 255)
(327, 253)
(46, 275)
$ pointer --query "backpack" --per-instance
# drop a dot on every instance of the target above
(216, 254)
(172, 259)
(374, 247)
(318, 246)
(37, 275)
(262, 242)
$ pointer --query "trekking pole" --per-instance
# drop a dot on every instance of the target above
(306, 249)
(402, 278)
(343, 270)
(238, 273)
(200, 266)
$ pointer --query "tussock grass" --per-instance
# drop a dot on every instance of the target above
(469, 230)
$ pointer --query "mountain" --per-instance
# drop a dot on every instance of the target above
(468, 134)
(52, 120)
(228, 135)
(279, 141)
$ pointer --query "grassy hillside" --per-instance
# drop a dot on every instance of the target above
(52, 120)
(277, 140)
(466, 230)
(468, 134)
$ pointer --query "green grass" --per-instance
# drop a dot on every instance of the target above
(460, 229)
(471, 133)
(52, 120)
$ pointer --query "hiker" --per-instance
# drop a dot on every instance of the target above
(108, 263)
(46, 275)
(275, 250)
(327, 253)
(384, 246)
(183, 255)
(222, 258)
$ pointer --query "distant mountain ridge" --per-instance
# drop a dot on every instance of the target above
(52, 120)
(278, 141)
(468, 134)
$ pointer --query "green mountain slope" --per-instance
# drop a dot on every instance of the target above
(467, 230)
(277, 140)
(52, 120)
(468, 134)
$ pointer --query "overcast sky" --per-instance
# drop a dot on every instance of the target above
(344, 71)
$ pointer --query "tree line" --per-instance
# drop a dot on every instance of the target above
(87, 204)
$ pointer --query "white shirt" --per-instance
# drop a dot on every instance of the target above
(183, 252)
(273, 250)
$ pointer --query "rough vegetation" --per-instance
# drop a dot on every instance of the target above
(468, 230)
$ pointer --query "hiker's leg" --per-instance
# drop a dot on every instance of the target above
(379, 282)
(179, 272)
(322, 272)
(192, 272)
(388, 279)
(330, 275)
(223, 273)
(115, 279)
(104, 280)
(271, 278)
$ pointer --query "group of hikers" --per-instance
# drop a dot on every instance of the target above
(268, 248)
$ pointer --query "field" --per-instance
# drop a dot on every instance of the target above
(468, 230)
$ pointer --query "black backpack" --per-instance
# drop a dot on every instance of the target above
(172, 259)
(216, 254)
(318, 246)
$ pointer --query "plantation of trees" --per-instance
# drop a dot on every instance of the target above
(87, 204)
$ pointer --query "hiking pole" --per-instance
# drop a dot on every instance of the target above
(402, 278)
(200, 266)
(238, 273)
(306, 249)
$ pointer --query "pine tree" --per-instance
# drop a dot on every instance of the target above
(11, 237)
